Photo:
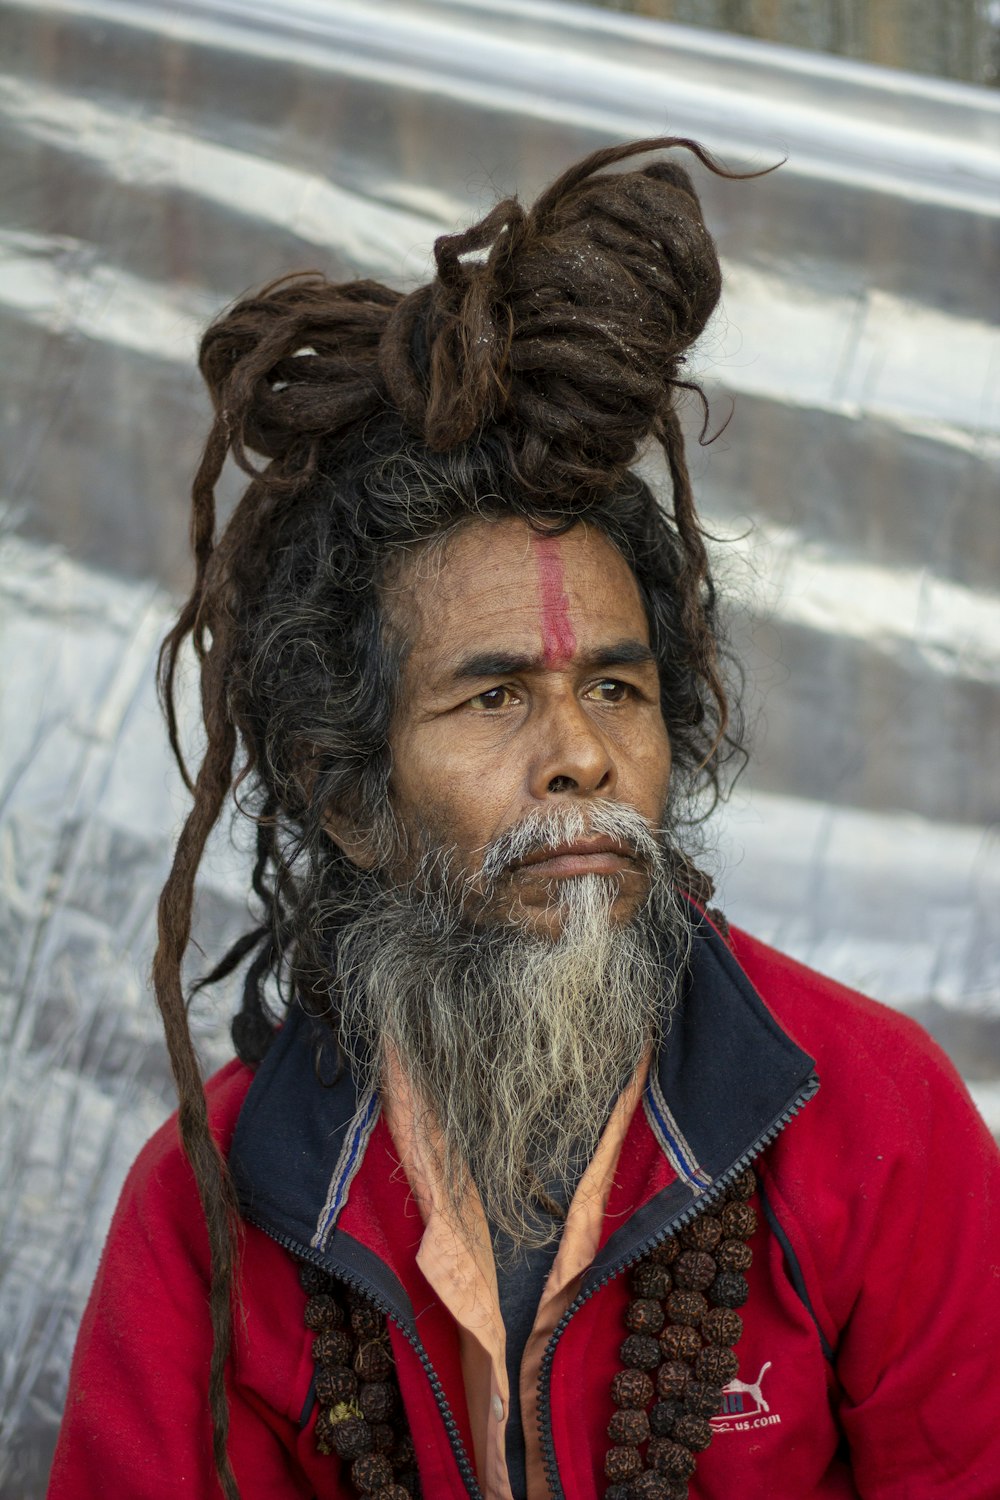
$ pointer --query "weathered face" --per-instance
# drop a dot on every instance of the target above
(529, 684)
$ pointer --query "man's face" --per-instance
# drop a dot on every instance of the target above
(529, 686)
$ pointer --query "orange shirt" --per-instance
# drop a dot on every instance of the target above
(461, 1270)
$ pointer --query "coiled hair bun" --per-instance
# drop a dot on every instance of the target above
(296, 365)
(565, 324)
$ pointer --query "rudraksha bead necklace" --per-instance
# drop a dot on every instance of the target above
(361, 1413)
(677, 1356)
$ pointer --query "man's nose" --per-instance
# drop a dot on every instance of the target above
(571, 754)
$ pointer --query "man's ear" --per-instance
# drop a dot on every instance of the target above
(347, 836)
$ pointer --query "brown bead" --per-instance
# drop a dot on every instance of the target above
(666, 1252)
(640, 1351)
(409, 1482)
(721, 1325)
(322, 1312)
(672, 1378)
(729, 1289)
(664, 1417)
(335, 1384)
(695, 1270)
(649, 1486)
(333, 1347)
(392, 1492)
(629, 1427)
(383, 1437)
(716, 1366)
(651, 1280)
(703, 1233)
(372, 1472)
(686, 1307)
(367, 1322)
(680, 1342)
(373, 1361)
(621, 1464)
(701, 1399)
(694, 1432)
(377, 1401)
(670, 1459)
(618, 1492)
(313, 1280)
(350, 1436)
(738, 1221)
(644, 1315)
(734, 1255)
(324, 1434)
(632, 1388)
(744, 1186)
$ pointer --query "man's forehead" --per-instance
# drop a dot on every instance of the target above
(501, 586)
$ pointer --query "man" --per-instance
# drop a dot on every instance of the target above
(547, 1183)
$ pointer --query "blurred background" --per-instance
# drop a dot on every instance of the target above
(158, 159)
(946, 38)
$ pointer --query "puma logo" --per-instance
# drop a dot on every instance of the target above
(752, 1389)
(744, 1405)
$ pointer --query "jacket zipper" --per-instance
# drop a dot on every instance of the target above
(686, 1216)
(364, 1289)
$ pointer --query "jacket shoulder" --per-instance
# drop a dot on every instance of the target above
(886, 1193)
(139, 1374)
(161, 1168)
(891, 1133)
(857, 1042)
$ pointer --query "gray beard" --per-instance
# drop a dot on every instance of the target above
(516, 1045)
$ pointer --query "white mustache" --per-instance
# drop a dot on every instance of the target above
(552, 827)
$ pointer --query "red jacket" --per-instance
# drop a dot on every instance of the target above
(867, 1364)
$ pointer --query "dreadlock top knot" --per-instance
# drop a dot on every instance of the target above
(567, 324)
(572, 329)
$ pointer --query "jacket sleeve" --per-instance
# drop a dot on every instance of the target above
(898, 1228)
(137, 1420)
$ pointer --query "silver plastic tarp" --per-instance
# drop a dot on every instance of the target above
(156, 160)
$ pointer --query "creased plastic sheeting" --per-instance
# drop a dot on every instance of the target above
(157, 160)
(90, 804)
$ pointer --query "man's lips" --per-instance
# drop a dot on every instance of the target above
(589, 856)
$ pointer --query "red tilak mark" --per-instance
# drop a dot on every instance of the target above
(558, 640)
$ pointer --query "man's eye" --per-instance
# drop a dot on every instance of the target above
(610, 690)
(498, 697)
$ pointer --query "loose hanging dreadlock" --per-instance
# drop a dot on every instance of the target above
(523, 380)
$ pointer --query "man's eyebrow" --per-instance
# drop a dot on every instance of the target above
(512, 663)
(621, 654)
